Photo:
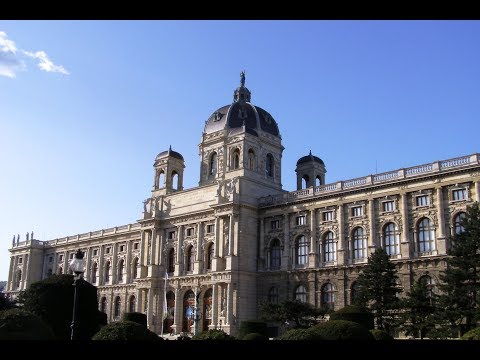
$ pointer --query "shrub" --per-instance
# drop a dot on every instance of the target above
(255, 337)
(341, 330)
(252, 326)
(184, 337)
(213, 335)
(381, 334)
(299, 334)
(354, 313)
(139, 318)
(473, 334)
(125, 330)
(18, 324)
(52, 300)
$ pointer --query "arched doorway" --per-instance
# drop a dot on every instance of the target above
(207, 309)
(188, 311)
(168, 322)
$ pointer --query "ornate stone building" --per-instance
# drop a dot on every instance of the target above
(238, 237)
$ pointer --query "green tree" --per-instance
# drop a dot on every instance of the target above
(52, 300)
(378, 288)
(293, 313)
(460, 282)
(6, 303)
(417, 310)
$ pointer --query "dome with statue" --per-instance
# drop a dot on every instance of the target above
(242, 114)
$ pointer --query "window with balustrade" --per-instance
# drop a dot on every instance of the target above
(426, 235)
(359, 243)
(301, 250)
(391, 239)
(329, 248)
(458, 222)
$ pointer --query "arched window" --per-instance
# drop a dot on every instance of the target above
(107, 272)
(305, 180)
(116, 309)
(103, 305)
(429, 285)
(269, 165)
(212, 166)
(301, 250)
(273, 295)
(174, 180)
(171, 261)
(132, 304)
(19, 279)
(60, 270)
(210, 253)
(161, 179)
(275, 254)
(121, 268)
(135, 268)
(391, 239)
(190, 258)
(328, 296)
(458, 222)
(318, 181)
(329, 247)
(355, 290)
(94, 273)
(49, 273)
(426, 235)
(301, 293)
(236, 159)
(251, 159)
(359, 244)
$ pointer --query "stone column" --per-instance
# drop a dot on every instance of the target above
(178, 315)
(153, 248)
(441, 243)
(405, 242)
(160, 254)
(228, 317)
(11, 274)
(216, 244)
(65, 263)
(477, 191)
(101, 264)
(198, 251)
(286, 243)
(342, 248)
(372, 239)
(213, 325)
(139, 303)
(142, 248)
(178, 262)
(262, 260)
(88, 266)
(149, 308)
(221, 238)
(128, 265)
(114, 266)
(312, 256)
(231, 237)
(54, 269)
(24, 272)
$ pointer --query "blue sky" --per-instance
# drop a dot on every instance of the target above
(85, 106)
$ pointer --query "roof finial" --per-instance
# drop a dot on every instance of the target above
(170, 149)
(242, 78)
(310, 153)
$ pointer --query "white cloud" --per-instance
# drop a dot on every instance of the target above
(11, 59)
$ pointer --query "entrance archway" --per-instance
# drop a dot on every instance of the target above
(168, 322)
(207, 309)
(188, 311)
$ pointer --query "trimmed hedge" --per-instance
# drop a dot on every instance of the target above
(255, 337)
(299, 334)
(341, 330)
(139, 318)
(18, 324)
(381, 334)
(356, 314)
(125, 330)
(252, 326)
(213, 334)
(473, 334)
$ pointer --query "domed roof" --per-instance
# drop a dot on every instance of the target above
(308, 158)
(171, 153)
(242, 113)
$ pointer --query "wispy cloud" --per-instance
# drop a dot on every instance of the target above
(11, 59)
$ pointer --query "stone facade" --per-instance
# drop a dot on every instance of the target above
(238, 238)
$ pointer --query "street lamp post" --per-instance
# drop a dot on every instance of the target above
(77, 265)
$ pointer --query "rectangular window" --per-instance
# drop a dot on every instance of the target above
(210, 228)
(135, 246)
(70, 256)
(422, 200)
(50, 259)
(300, 220)
(171, 235)
(275, 224)
(459, 194)
(388, 205)
(60, 257)
(190, 232)
(327, 216)
(107, 250)
(122, 248)
(357, 211)
(20, 260)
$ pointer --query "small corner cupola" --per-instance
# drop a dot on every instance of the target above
(242, 94)
(168, 172)
(310, 171)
